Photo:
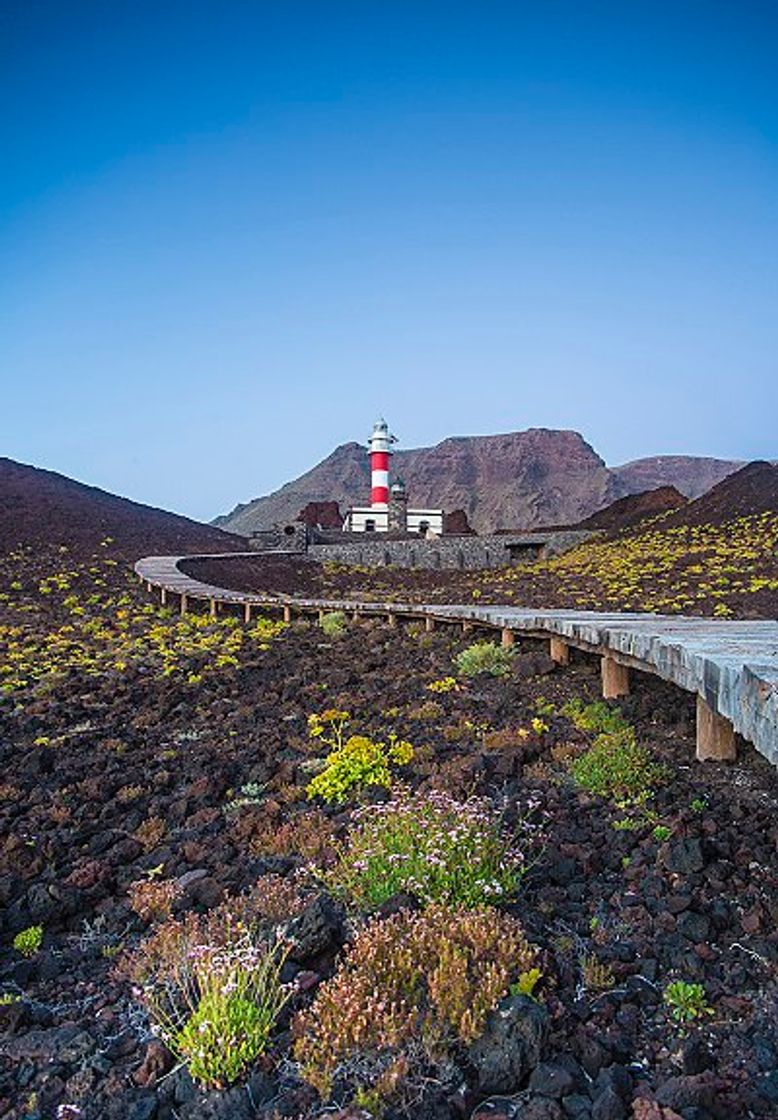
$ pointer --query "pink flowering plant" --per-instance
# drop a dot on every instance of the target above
(211, 982)
(431, 846)
(407, 993)
(239, 996)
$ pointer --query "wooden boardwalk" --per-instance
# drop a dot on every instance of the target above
(731, 666)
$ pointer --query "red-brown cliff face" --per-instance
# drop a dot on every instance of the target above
(517, 480)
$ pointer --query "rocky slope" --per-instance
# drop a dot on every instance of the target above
(634, 508)
(517, 480)
(693, 475)
(37, 507)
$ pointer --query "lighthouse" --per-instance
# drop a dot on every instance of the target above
(388, 509)
(380, 449)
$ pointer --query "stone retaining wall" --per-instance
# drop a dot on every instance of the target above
(445, 552)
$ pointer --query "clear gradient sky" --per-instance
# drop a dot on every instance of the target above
(232, 233)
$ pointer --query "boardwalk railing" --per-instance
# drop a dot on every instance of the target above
(731, 666)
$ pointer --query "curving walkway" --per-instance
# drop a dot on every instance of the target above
(731, 666)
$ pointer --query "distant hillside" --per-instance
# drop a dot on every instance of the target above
(518, 480)
(751, 490)
(629, 511)
(40, 507)
(690, 474)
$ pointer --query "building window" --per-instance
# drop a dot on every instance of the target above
(370, 526)
(424, 528)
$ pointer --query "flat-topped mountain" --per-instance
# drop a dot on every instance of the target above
(39, 507)
(518, 480)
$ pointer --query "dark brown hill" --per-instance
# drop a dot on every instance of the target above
(634, 508)
(753, 489)
(530, 479)
(321, 515)
(39, 507)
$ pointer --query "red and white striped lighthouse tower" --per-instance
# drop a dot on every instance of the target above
(380, 447)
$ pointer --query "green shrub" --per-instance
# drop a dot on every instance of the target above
(358, 763)
(211, 982)
(686, 1001)
(484, 657)
(239, 997)
(333, 623)
(29, 941)
(431, 846)
(598, 716)
(617, 767)
(410, 987)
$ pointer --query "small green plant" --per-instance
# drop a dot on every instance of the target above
(252, 793)
(527, 982)
(29, 941)
(329, 727)
(597, 717)
(596, 976)
(211, 982)
(358, 763)
(661, 832)
(545, 707)
(484, 657)
(445, 684)
(698, 805)
(686, 1001)
(333, 623)
(8, 998)
(429, 845)
(617, 767)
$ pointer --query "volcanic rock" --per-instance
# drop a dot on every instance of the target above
(510, 1046)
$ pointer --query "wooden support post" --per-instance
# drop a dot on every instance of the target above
(429, 623)
(559, 651)
(321, 616)
(615, 678)
(391, 619)
(355, 616)
(247, 613)
(214, 608)
(163, 596)
(287, 613)
(467, 627)
(507, 638)
(183, 603)
(715, 735)
(148, 585)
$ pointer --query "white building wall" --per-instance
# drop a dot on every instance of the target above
(433, 518)
(359, 516)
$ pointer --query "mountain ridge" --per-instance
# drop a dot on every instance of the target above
(524, 479)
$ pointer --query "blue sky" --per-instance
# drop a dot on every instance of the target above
(233, 233)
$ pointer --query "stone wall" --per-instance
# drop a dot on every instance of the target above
(443, 552)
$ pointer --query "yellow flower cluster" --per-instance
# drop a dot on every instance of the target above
(673, 569)
(93, 621)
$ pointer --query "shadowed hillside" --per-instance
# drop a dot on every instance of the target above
(40, 507)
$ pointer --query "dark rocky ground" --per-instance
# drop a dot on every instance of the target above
(111, 775)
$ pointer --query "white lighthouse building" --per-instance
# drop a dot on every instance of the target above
(388, 507)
